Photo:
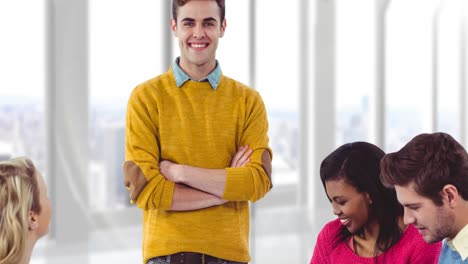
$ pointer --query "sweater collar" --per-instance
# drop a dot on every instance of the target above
(181, 77)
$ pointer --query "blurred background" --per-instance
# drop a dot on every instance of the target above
(329, 71)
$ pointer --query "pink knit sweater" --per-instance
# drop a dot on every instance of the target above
(411, 249)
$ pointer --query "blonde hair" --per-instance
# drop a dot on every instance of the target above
(19, 194)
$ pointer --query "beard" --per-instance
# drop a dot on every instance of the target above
(444, 226)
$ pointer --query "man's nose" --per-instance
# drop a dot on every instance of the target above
(408, 217)
(198, 31)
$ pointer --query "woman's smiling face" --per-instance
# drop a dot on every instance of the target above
(351, 206)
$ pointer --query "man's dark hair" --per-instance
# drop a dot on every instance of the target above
(431, 161)
(177, 3)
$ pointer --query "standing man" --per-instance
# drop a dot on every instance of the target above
(196, 149)
(430, 176)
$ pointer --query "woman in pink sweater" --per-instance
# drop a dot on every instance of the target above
(370, 227)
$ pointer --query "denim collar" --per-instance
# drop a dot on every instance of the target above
(460, 243)
(181, 77)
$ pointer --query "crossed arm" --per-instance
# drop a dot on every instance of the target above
(154, 183)
(197, 188)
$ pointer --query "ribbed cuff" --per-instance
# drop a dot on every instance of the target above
(165, 200)
(238, 187)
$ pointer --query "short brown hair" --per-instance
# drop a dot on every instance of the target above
(431, 161)
(177, 3)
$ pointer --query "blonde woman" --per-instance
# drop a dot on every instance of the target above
(24, 210)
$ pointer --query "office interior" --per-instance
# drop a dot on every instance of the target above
(329, 71)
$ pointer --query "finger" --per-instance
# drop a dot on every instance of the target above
(237, 156)
(240, 152)
(245, 163)
(245, 157)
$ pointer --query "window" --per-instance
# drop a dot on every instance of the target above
(130, 42)
(449, 68)
(355, 69)
(408, 71)
(233, 49)
(124, 51)
(277, 80)
(23, 81)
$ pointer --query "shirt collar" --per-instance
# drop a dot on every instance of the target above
(460, 243)
(181, 77)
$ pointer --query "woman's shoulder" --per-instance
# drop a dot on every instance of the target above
(412, 234)
(333, 225)
(330, 231)
(413, 243)
(326, 249)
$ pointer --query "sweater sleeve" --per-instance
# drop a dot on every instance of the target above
(253, 181)
(147, 186)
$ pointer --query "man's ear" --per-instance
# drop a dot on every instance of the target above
(450, 194)
(223, 28)
(173, 26)
(33, 221)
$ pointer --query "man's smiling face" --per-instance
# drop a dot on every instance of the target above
(198, 28)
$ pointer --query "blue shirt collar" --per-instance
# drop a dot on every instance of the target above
(181, 77)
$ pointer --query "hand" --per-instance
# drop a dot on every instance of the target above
(171, 171)
(242, 157)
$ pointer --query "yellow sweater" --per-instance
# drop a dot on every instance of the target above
(198, 126)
